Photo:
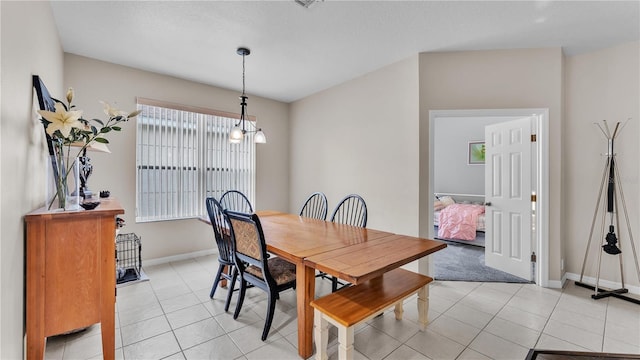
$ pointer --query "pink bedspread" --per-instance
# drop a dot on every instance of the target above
(458, 221)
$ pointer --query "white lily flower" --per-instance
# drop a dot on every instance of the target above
(69, 95)
(112, 111)
(62, 120)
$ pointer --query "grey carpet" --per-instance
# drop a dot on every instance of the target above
(459, 262)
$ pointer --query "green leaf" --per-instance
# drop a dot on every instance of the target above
(99, 121)
(101, 140)
(116, 128)
(105, 130)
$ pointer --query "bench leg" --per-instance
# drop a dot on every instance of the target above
(321, 332)
(423, 307)
(399, 310)
(345, 343)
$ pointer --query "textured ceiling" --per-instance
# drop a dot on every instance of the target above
(297, 51)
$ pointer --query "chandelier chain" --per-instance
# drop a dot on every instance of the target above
(243, 56)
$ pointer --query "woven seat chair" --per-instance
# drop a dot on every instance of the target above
(272, 275)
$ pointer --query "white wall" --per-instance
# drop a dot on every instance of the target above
(95, 80)
(602, 85)
(29, 46)
(452, 172)
(496, 79)
(361, 137)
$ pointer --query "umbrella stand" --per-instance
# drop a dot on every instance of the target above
(610, 196)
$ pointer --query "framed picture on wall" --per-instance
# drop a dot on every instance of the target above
(476, 153)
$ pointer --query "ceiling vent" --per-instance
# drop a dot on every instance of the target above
(305, 3)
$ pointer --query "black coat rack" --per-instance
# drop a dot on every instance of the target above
(611, 199)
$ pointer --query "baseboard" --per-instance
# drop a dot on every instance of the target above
(557, 284)
(187, 256)
(603, 283)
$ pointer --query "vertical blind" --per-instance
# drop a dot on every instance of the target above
(183, 155)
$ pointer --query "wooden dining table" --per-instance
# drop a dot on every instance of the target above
(351, 253)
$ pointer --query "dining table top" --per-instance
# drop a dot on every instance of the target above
(360, 262)
(299, 237)
(354, 251)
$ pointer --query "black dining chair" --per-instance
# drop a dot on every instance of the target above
(272, 275)
(351, 210)
(226, 257)
(234, 200)
(315, 206)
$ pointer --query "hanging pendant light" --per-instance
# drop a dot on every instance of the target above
(236, 135)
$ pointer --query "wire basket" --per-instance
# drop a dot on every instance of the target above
(128, 258)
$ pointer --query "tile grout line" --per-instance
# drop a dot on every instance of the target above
(548, 319)
(565, 294)
(481, 330)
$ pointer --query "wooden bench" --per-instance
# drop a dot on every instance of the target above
(358, 303)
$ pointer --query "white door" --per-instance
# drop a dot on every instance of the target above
(508, 195)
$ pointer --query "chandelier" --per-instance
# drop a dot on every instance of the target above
(240, 129)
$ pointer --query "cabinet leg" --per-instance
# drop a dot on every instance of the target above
(108, 340)
(35, 347)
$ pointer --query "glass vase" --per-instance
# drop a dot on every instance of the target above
(66, 192)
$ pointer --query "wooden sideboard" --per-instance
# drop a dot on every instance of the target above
(71, 280)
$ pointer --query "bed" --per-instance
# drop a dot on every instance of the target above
(458, 216)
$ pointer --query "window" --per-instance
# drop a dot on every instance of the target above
(183, 155)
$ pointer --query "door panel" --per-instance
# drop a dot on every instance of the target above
(508, 190)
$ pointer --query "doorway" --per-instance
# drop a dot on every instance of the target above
(539, 165)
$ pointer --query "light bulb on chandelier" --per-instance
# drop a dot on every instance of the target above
(236, 135)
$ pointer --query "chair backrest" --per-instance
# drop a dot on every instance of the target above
(352, 210)
(221, 227)
(234, 200)
(315, 206)
(250, 246)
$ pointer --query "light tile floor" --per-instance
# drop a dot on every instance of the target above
(172, 317)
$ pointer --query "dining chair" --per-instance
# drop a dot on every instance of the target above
(226, 258)
(315, 206)
(351, 210)
(272, 275)
(234, 200)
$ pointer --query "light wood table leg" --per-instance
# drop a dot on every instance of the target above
(425, 267)
(399, 310)
(305, 292)
(321, 335)
(423, 307)
(345, 343)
